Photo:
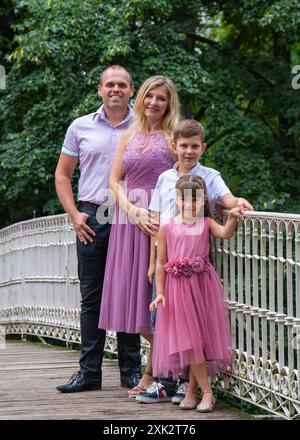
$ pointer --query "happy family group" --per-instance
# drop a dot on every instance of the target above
(151, 275)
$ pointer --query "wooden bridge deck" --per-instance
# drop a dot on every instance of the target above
(30, 372)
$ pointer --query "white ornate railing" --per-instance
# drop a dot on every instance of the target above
(39, 287)
(260, 268)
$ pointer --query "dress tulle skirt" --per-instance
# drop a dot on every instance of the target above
(193, 327)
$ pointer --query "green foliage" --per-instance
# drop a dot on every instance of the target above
(231, 62)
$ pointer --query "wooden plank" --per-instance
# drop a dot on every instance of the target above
(30, 374)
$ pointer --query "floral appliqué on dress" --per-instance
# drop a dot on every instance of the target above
(187, 266)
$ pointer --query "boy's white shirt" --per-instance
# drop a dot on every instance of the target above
(164, 196)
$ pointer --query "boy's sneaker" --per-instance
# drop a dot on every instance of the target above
(180, 393)
(156, 393)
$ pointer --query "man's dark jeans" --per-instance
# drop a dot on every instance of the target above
(91, 268)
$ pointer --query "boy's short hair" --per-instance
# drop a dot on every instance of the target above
(188, 128)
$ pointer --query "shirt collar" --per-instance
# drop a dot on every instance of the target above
(100, 113)
(193, 171)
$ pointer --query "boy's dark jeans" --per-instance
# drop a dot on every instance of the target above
(91, 268)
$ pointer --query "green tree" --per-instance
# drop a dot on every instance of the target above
(231, 62)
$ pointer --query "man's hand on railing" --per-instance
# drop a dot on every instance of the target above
(83, 231)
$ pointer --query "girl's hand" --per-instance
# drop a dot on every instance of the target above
(151, 272)
(160, 299)
(237, 212)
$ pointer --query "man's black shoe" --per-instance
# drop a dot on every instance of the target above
(80, 382)
(130, 381)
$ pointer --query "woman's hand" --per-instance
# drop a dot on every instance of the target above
(160, 299)
(145, 220)
(151, 271)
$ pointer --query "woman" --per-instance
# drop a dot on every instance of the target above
(143, 154)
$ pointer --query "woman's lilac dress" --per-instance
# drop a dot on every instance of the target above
(126, 291)
(193, 327)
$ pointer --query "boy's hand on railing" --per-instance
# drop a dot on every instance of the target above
(244, 204)
(160, 299)
(82, 230)
(151, 271)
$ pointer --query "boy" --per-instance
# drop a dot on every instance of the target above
(188, 144)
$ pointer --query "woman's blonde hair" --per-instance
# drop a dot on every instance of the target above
(172, 114)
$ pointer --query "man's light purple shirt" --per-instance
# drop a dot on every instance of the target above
(94, 140)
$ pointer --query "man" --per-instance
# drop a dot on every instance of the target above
(92, 140)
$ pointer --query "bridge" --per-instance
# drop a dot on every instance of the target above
(260, 270)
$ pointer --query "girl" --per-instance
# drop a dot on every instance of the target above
(192, 327)
(143, 154)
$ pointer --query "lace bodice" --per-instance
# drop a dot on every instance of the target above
(147, 155)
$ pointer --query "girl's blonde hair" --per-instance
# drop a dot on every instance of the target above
(172, 114)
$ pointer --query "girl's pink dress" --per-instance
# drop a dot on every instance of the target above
(193, 327)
